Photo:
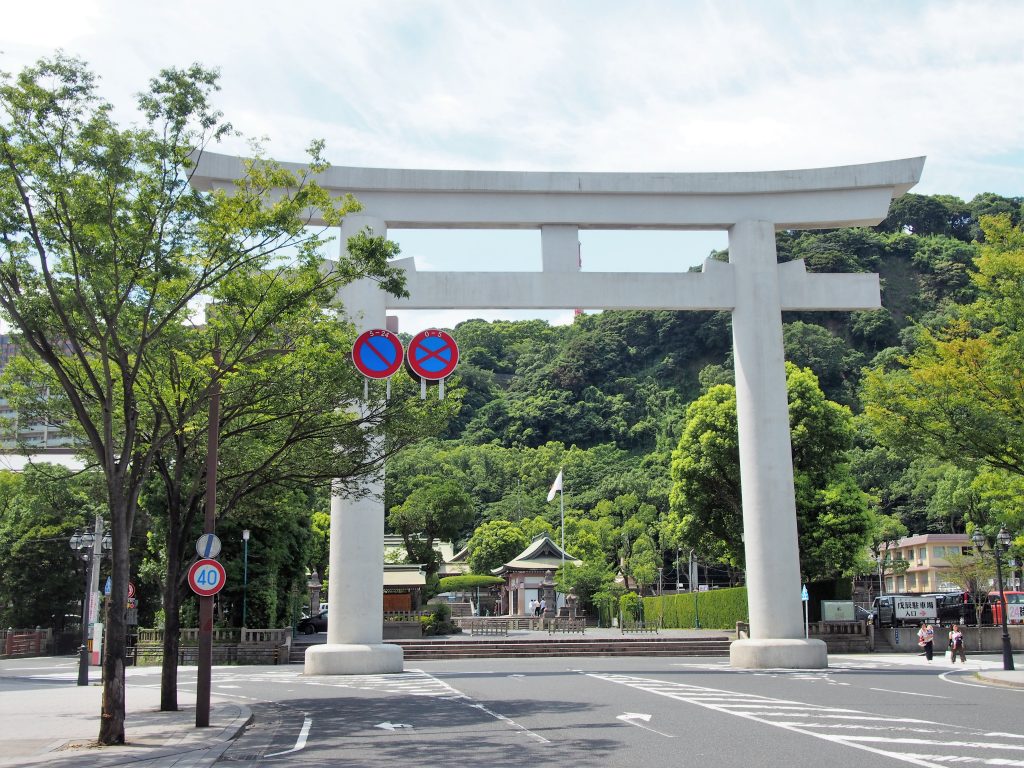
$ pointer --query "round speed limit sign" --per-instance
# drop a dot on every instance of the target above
(206, 577)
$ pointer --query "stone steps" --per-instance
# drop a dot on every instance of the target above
(417, 650)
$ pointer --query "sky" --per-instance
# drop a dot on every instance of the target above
(578, 85)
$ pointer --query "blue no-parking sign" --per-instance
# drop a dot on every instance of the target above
(433, 354)
(377, 353)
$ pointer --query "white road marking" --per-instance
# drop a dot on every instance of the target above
(961, 760)
(788, 715)
(511, 722)
(945, 677)
(909, 693)
(307, 722)
(389, 726)
(632, 717)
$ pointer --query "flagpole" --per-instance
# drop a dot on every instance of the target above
(561, 504)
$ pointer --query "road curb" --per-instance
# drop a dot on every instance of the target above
(1001, 678)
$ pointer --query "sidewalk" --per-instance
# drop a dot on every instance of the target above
(49, 720)
(1011, 679)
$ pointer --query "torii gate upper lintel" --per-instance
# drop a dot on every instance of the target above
(752, 285)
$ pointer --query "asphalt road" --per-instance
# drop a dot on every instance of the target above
(610, 712)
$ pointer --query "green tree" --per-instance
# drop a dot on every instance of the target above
(493, 544)
(957, 396)
(587, 580)
(832, 515)
(643, 563)
(884, 532)
(279, 357)
(706, 511)
(972, 574)
(434, 510)
(39, 510)
(105, 248)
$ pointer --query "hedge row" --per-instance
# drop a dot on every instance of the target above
(467, 582)
(717, 609)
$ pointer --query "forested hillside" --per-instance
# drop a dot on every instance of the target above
(610, 397)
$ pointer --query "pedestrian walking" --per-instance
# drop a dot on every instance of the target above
(956, 644)
(926, 639)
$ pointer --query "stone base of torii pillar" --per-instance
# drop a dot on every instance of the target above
(350, 659)
(776, 653)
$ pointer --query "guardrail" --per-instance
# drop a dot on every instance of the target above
(25, 642)
(638, 626)
(486, 626)
(567, 624)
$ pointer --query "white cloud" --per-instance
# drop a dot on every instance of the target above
(583, 84)
(586, 85)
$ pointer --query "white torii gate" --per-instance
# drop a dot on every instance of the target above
(752, 285)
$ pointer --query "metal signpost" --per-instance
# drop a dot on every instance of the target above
(433, 355)
(805, 599)
(204, 660)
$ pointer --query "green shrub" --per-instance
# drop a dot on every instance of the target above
(630, 606)
(717, 609)
(606, 604)
(441, 613)
(439, 622)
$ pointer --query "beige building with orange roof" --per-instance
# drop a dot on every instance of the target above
(927, 564)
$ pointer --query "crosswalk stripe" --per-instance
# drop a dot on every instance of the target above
(849, 727)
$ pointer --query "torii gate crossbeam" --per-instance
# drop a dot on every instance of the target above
(753, 286)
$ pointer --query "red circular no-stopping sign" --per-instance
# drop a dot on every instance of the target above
(377, 353)
(433, 354)
(206, 577)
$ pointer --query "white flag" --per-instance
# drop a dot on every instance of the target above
(555, 486)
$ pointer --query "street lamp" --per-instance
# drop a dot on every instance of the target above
(1001, 544)
(83, 544)
(245, 573)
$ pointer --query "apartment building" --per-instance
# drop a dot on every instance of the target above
(927, 563)
(17, 433)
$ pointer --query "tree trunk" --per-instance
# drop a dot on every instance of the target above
(112, 712)
(172, 627)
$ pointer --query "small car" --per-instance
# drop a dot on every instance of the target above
(310, 625)
(863, 614)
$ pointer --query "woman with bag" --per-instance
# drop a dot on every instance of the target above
(956, 643)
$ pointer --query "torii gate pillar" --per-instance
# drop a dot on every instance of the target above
(355, 600)
(766, 460)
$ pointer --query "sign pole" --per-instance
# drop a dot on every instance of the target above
(805, 599)
(205, 659)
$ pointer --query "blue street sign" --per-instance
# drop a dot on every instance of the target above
(803, 594)
(106, 587)
(208, 545)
